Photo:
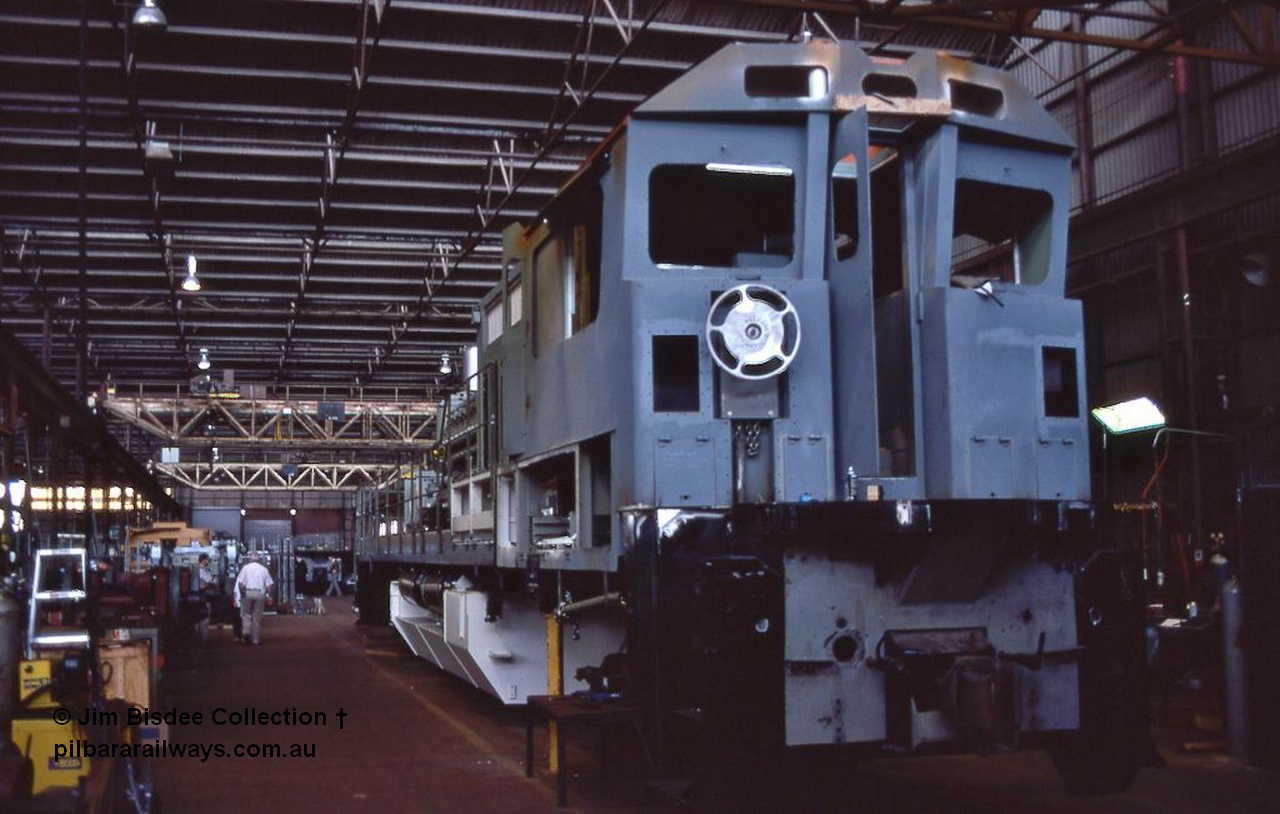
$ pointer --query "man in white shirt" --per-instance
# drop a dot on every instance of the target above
(208, 590)
(251, 597)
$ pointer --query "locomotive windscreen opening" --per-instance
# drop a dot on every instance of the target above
(722, 215)
(1000, 233)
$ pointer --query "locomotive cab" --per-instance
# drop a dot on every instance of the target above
(788, 370)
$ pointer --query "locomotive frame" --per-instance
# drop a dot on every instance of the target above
(781, 406)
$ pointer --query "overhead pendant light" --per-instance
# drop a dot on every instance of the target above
(1256, 269)
(191, 283)
(204, 363)
(150, 17)
(445, 367)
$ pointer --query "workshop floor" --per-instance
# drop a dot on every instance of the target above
(416, 740)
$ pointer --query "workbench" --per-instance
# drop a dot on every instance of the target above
(566, 711)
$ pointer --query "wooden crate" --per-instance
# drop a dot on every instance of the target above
(126, 670)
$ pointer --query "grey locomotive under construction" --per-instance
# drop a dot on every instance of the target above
(780, 417)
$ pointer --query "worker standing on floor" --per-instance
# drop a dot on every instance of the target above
(208, 591)
(251, 596)
(335, 576)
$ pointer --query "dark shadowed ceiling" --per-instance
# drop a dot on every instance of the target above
(342, 169)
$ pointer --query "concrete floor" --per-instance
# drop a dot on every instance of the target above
(416, 740)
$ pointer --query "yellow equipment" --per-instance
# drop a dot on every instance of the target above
(36, 738)
(34, 677)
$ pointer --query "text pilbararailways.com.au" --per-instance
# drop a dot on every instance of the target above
(76, 749)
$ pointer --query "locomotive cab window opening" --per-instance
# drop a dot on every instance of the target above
(1000, 233)
(844, 196)
(722, 215)
(844, 206)
(894, 359)
(566, 294)
(493, 321)
(515, 305)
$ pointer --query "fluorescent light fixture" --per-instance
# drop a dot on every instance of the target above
(751, 169)
(1130, 416)
(191, 282)
(445, 367)
(204, 363)
(65, 638)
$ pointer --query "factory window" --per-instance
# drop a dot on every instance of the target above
(1000, 233)
(675, 374)
(722, 215)
(1061, 390)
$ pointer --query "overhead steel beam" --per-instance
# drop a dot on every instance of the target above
(955, 14)
(272, 114)
(241, 37)
(277, 477)
(44, 395)
(47, 308)
(373, 425)
(275, 148)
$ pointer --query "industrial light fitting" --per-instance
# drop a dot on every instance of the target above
(150, 17)
(445, 367)
(751, 169)
(1256, 267)
(1130, 416)
(243, 511)
(191, 283)
(293, 511)
(204, 363)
